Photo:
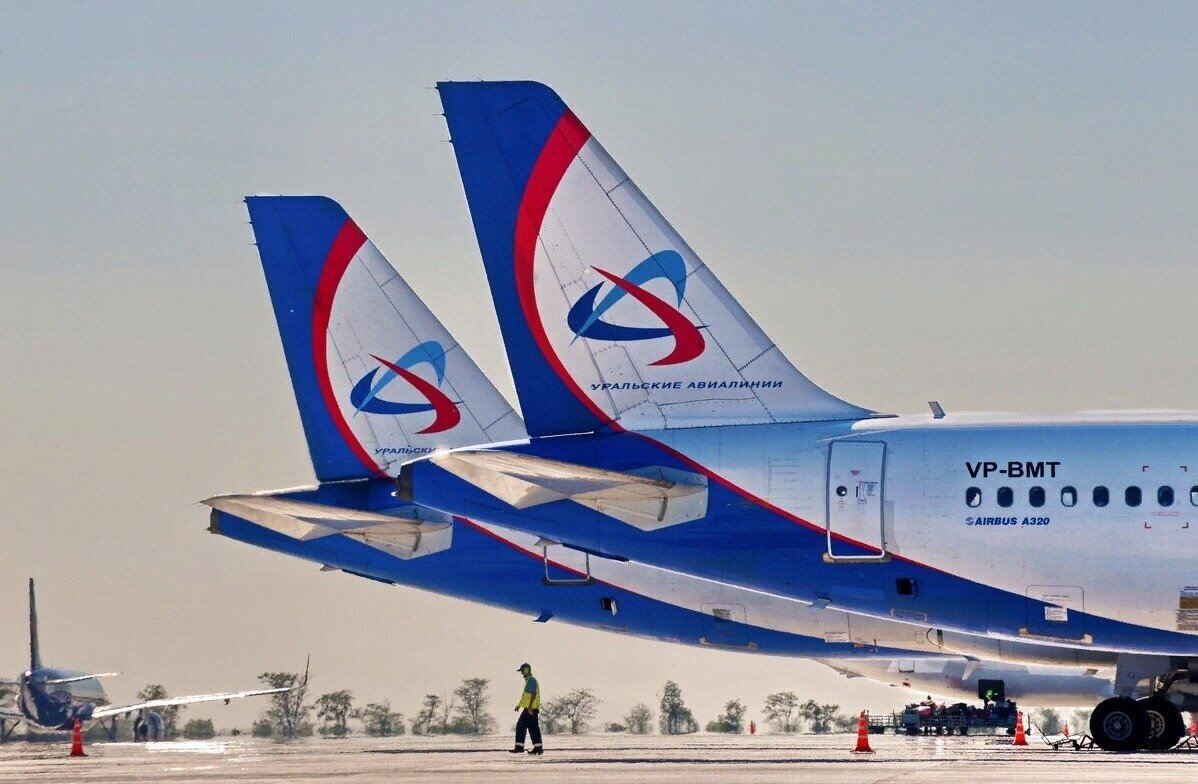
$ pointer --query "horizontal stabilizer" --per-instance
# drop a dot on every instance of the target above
(647, 498)
(228, 696)
(405, 537)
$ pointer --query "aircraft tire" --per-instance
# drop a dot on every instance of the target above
(1165, 724)
(1119, 724)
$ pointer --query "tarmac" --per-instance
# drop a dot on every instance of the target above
(764, 759)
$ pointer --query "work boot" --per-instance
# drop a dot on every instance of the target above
(519, 749)
(536, 749)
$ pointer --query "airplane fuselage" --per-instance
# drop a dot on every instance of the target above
(55, 706)
(505, 568)
(981, 525)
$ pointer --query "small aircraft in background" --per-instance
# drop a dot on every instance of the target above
(53, 698)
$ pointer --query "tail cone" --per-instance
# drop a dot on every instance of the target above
(1020, 738)
(863, 736)
(77, 740)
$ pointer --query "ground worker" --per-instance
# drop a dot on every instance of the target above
(529, 708)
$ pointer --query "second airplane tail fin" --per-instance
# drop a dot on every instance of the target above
(377, 378)
(608, 316)
(35, 648)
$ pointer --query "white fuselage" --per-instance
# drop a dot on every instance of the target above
(1131, 563)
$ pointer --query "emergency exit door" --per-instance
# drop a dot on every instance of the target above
(855, 498)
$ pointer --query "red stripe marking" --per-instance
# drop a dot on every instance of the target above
(533, 554)
(688, 340)
(447, 413)
(346, 245)
(560, 149)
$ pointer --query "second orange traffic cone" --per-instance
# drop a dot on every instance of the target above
(1020, 738)
(1066, 730)
(77, 740)
(863, 736)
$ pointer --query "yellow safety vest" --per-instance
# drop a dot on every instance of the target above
(530, 698)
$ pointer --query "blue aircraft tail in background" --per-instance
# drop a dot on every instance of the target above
(377, 378)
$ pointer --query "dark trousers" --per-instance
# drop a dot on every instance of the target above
(528, 722)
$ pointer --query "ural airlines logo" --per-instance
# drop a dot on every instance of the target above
(586, 318)
(366, 394)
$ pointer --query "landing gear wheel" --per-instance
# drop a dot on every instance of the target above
(1165, 725)
(1119, 724)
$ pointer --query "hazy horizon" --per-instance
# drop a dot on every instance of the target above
(987, 205)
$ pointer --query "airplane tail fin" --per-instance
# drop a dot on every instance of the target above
(608, 316)
(35, 649)
(377, 378)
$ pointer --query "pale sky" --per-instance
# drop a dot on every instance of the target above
(989, 205)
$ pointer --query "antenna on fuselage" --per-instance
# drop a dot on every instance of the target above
(937, 409)
(35, 653)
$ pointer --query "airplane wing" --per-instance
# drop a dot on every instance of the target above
(646, 498)
(77, 678)
(839, 669)
(226, 697)
(406, 537)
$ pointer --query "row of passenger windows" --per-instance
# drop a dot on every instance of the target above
(1100, 496)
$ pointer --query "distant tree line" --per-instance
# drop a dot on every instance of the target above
(466, 711)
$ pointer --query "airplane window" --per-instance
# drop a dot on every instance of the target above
(973, 497)
(1006, 496)
(1102, 496)
(1035, 496)
(1068, 496)
(1164, 495)
(1133, 496)
(1194, 495)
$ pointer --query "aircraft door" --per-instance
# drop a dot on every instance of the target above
(855, 494)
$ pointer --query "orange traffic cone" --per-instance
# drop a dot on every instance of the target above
(1065, 731)
(863, 736)
(1194, 725)
(1020, 738)
(77, 740)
